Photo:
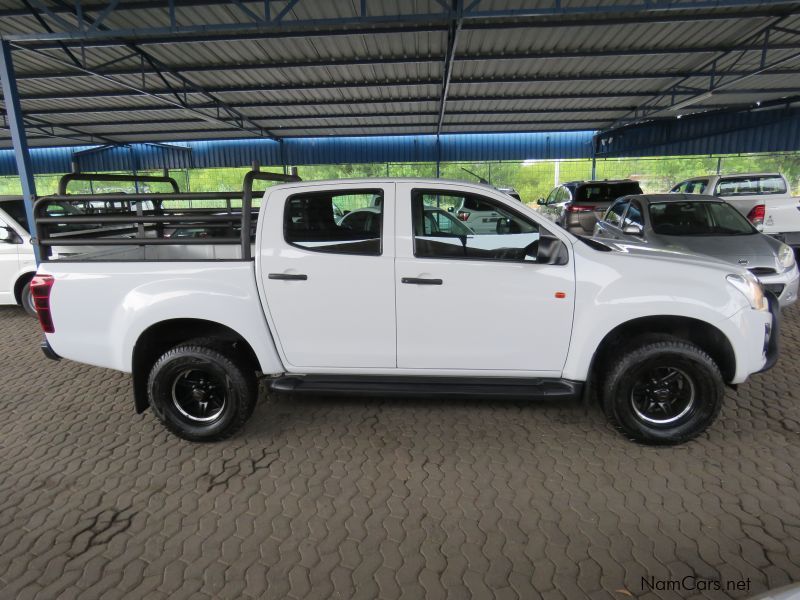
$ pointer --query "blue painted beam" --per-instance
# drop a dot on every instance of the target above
(17, 127)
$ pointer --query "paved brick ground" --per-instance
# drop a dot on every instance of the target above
(374, 498)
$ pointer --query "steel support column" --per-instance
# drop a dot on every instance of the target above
(18, 137)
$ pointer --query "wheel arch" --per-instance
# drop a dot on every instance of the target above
(160, 337)
(704, 335)
(20, 283)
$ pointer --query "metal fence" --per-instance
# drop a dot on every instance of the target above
(533, 179)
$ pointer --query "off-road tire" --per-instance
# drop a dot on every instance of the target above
(235, 375)
(631, 369)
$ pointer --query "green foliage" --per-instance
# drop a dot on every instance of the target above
(533, 179)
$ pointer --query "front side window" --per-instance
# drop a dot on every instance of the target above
(312, 221)
(505, 235)
(614, 214)
(633, 218)
(751, 185)
(16, 210)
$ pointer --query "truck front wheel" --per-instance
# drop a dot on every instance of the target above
(200, 393)
(663, 392)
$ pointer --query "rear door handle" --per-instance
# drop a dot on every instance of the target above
(288, 276)
(421, 281)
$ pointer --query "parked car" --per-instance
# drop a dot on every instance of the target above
(703, 225)
(17, 263)
(764, 198)
(577, 205)
(657, 334)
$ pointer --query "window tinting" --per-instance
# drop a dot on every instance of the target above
(750, 185)
(605, 192)
(312, 221)
(16, 210)
(698, 218)
(499, 234)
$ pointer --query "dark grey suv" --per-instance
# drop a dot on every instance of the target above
(577, 205)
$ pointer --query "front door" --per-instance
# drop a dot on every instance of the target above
(327, 270)
(489, 302)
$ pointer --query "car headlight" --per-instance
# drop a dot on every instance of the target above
(750, 288)
(786, 257)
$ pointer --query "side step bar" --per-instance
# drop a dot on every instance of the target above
(459, 387)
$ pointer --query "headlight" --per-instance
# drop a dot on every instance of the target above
(750, 288)
(786, 257)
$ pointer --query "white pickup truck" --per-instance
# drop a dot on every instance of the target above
(368, 308)
(764, 198)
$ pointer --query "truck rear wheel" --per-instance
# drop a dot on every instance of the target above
(663, 392)
(200, 393)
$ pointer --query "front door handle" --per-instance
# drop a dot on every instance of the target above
(288, 276)
(421, 281)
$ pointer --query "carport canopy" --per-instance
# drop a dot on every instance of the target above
(124, 71)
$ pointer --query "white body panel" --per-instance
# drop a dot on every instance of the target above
(16, 259)
(353, 316)
(515, 302)
(342, 316)
(100, 308)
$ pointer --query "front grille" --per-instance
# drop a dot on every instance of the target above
(775, 288)
(762, 271)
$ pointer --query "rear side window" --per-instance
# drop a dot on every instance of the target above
(614, 214)
(606, 192)
(312, 221)
(750, 185)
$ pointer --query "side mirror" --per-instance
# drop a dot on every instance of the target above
(541, 202)
(632, 230)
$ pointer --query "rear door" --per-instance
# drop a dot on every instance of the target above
(479, 302)
(328, 286)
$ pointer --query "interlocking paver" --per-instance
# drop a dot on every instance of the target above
(376, 498)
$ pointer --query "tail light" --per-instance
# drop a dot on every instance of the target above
(756, 215)
(579, 208)
(41, 286)
(463, 215)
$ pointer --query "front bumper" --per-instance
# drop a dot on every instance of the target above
(783, 285)
(772, 334)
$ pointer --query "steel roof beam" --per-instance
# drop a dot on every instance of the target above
(95, 24)
(383, 115)
(591, 13)
(410, 100)
(718, 79)
(449, 58)
(400, 60)
(133, 90)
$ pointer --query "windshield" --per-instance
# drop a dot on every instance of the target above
(698, 218)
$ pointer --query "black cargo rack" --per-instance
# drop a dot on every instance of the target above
(130, 226)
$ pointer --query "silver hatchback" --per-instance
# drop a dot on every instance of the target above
(702, 225)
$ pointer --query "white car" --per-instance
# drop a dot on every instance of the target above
(17, 263)
(764, 198)
(656, 334)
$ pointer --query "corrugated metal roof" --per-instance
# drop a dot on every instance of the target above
(589, 62)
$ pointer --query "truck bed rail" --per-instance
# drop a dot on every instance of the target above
(147, 219)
